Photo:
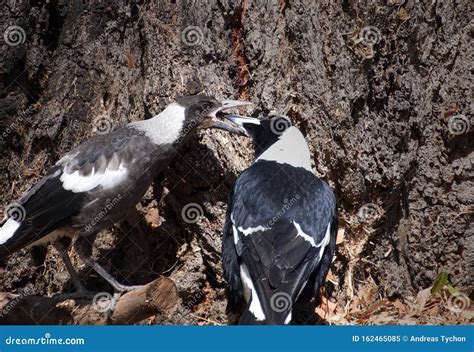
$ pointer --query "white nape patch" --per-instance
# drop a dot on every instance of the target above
(302, 234)
(164, 128)
(291, 148)
(8, 230)
(251, 294)
(288, 318)
(77, 183)
(250, 230)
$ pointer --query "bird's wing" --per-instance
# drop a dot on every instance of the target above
(102, 162)
(230, 259)
(280, 236)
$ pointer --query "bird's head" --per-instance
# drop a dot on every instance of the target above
(202, 111)
(264, 132)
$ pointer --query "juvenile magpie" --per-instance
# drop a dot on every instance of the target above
(97, 183)
(280, 231)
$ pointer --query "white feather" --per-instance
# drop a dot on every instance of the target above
(302, 234)
(8, 230)
(250, 293)
(250, 230)
(291, 148)
(77, 183)
(164, 128)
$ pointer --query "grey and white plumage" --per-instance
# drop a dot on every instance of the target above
(96, 184)
(280, 230)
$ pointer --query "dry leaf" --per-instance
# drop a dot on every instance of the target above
(326, 309)
(340, 236)
(422, 297)
(152, 217)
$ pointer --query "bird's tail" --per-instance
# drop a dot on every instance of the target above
(276, 312)
(45, 208)
(10, 230)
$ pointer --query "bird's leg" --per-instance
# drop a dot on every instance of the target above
(107, 277)
(83, 247)
(81, 291)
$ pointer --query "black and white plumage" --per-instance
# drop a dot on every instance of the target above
(280, 231)
(96, 184)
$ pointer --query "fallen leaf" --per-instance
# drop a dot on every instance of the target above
(332, 279)
(422, 297)
(340, 236)
(152, 217)
(326, 309)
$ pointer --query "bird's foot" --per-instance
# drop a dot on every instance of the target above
(119, 288)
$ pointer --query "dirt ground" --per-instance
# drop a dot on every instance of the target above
(381, 90)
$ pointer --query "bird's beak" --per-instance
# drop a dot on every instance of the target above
(239, 121)
(214, 122)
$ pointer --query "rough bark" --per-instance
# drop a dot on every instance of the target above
(380, 89)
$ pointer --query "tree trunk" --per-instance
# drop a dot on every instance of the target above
(381, 91)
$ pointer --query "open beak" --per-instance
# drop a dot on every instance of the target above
(220, 111)
(238, 121)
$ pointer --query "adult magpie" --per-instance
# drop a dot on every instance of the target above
(280, 230)
(97, 183)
